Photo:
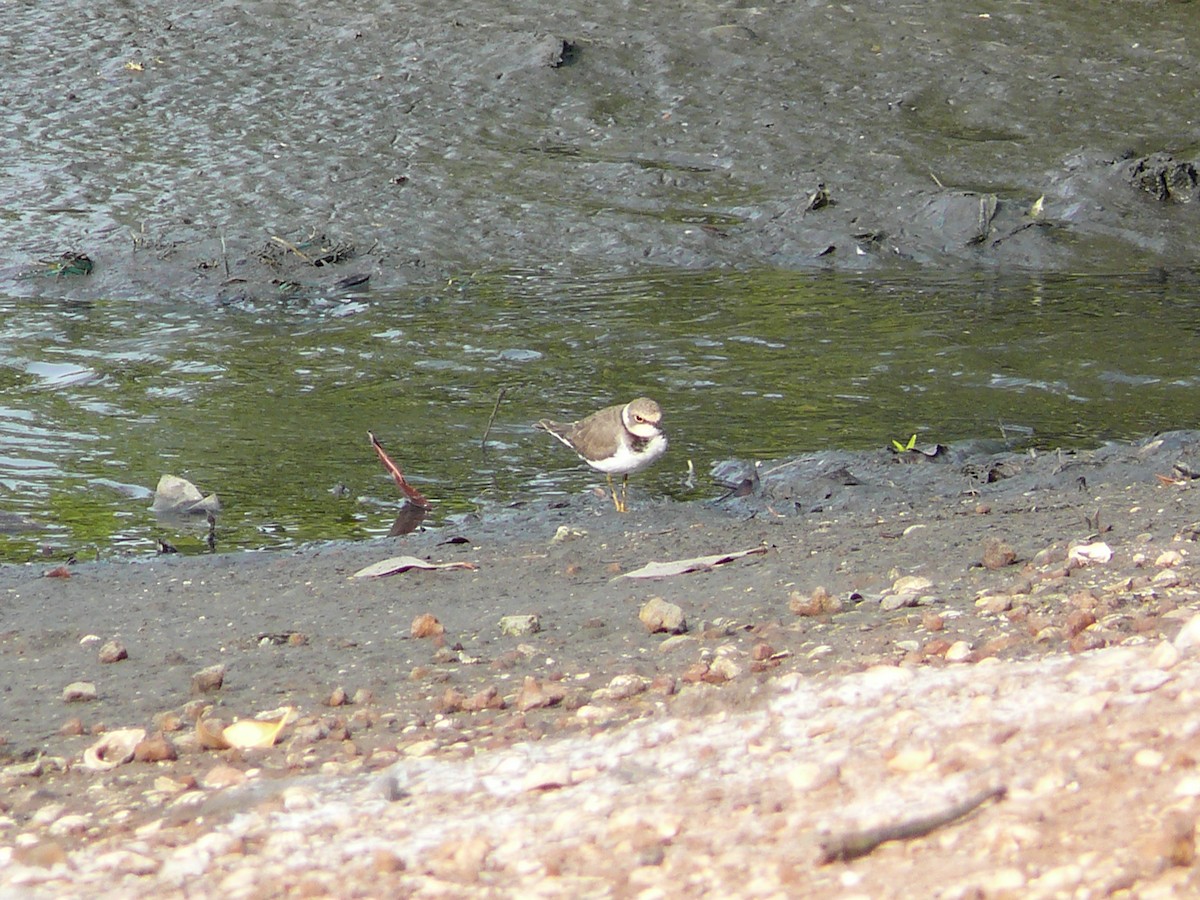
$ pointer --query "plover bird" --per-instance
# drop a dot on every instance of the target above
(616, 440)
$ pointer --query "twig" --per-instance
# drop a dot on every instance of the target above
(293, 248)
(860, 843)
(224, 254)
(409, 491)
(491, 419)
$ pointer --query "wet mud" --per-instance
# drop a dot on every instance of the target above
(231, 150)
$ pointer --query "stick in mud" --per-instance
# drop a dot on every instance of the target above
(859, 843)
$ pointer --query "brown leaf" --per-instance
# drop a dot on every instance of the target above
(397, 475)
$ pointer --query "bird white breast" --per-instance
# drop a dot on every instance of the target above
(629, 460)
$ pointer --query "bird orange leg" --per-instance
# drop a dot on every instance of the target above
(616, 500)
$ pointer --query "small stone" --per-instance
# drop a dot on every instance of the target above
(995, 603)
(1169, 558)
(452, 700)
(519, 626)
(997, 554)
(363, 697)
(660, 616)
(762, 651)
(126, 862)
(386, 862)
(1050, 556)
(222, 776)
(1003, 882)
(1166, 578)
(547, 776)
(488, 698)
(892, 602)
(1164, 656)
(1087, 640)
(1179, 838)
(936, 647)
(536, 694)
(155, 748)
(722, 669)
(810, 776)
(959, 651)
(1081, 555)
(113, 651)
(1188, 637)
(79, 692)
(426, 626)
(43, 854)
(1148, 680)
(932, 621)
(337, 697)
(817, 603)
(72, 727)
(167, 721)
(1148, 758)
(622, 687)
(209, 679)
(911, 584)
(911, 759)
(1078, 620)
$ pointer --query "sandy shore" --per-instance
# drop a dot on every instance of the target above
(915, 632)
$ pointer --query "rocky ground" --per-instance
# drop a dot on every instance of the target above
(988, 656)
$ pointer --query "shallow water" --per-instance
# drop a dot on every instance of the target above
(269, 405)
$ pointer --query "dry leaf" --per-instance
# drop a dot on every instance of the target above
(396, 564)
(210, 734)
(113, 749)
(682, 566)
(249, 734)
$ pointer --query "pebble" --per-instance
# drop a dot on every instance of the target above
(959, 651)
(113, 651)
(622, 687)
(997, 554)
(1189, 635)
(892, 602)
(79, 692)
(1002, 881)
(546, 776)
(1166, 578)
(127, 862)
(426, 626)
(1148, 680)
(911, 759)
(1097, 553)
(1148, 758)
(657, 615)
(209, 679)
(155, 748)
(995, 603)
(1164, 656)
(519, 626)
(810, 776)
(222, 776)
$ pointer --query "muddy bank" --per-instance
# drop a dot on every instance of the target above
(172, 144)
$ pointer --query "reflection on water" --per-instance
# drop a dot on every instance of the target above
(269, 405)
